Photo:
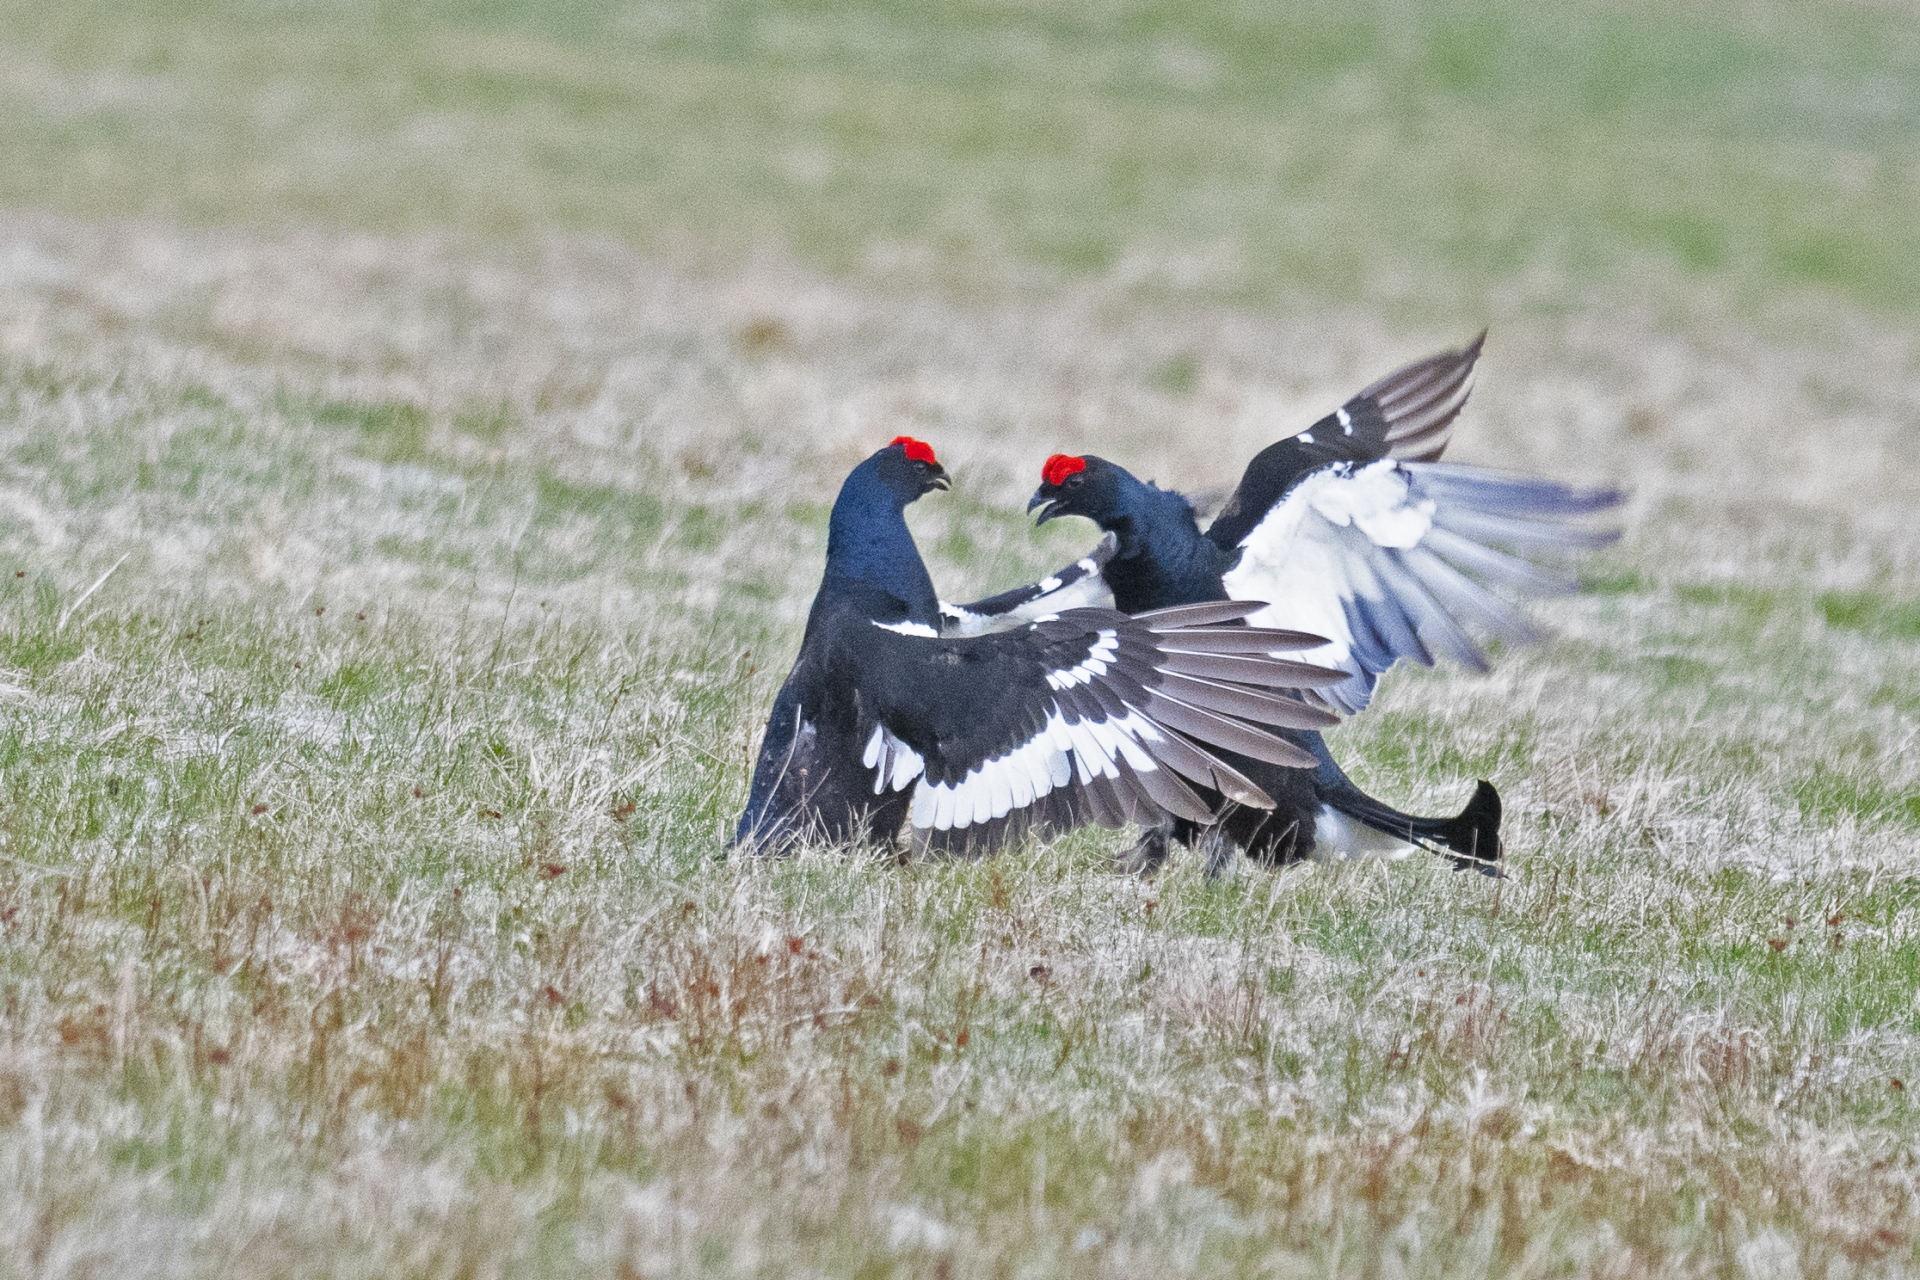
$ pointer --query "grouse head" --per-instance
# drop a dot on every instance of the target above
(906, 469)
(1088, 486)
(872, 564)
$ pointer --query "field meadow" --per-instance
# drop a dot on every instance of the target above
(417, 431)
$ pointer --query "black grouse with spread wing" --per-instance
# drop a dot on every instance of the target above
(1354, 531)
(1084, 715)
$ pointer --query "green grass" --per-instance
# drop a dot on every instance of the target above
(417, 430)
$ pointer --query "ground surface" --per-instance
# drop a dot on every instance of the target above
(416, 435)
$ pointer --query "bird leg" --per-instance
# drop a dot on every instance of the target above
(1221, 854)
(1149, 852)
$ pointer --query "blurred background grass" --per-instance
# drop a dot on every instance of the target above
(1424, 158)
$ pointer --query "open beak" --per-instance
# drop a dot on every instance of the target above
(939, 478)
(1045, 503)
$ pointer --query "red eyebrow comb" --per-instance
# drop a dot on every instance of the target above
(918, 450)
(1060, 466)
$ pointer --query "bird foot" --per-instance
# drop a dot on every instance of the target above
(1146, 857)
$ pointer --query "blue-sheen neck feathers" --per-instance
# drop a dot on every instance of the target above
(1151, 517)
(1163, 560)
(872, 563)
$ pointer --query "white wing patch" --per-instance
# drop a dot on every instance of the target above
(1088, 590)
(894, 763)
(909, 629)
(1052, 758)
(957, 620)
(1094, 664)
(1078, 586)
(1387, 559)
(1302, 559)
(1374, 499)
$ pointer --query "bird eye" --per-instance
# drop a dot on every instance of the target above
(1075, 481)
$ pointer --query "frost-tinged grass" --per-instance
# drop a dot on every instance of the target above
(395, 569)
(383, 630)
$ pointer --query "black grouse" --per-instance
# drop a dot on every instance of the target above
(1071, 716)
(1353, 531)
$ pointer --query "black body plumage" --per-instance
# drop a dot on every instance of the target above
(1084, 715)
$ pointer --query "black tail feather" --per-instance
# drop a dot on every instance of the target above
(1470, 839)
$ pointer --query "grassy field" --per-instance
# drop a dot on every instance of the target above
(417, 429)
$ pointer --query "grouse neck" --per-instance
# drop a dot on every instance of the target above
(872, 563)
(1148, 519)
(1162, 559)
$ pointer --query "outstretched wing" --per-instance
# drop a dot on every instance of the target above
(1415, 407)
(1408, 415)
(1090, 716)
(1393, 560)
(1078, 586)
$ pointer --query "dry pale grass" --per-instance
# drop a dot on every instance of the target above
(362, 899)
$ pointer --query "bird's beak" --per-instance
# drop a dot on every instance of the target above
(1045, 504)
(939, 478)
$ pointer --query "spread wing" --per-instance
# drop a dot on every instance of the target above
(1078, 586)
(1090, 716)
(1408, 415)
(1413, 409)
(1393, 560)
